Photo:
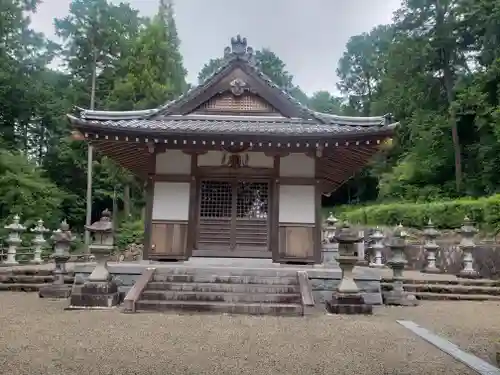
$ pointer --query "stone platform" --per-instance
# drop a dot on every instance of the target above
(323, 280)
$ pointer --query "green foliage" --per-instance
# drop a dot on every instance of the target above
(130, 232)
(446, 214)
(26, 192)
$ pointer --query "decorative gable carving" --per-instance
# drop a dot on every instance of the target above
(237, 103)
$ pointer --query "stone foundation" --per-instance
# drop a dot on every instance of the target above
(95, 295)
(323, 280)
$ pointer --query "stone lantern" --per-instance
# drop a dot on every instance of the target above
(99, 290)
(347, 298)
(467, 245)
(377, 238)
(63, 238)
(39, 241)
(397, 296)
(329, 246)
(431, 248)
(13, 240)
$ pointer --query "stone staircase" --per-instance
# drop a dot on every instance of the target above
(461, 289)
(255, 292)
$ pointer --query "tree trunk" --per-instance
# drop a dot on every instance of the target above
(443, 34)
(126, 201)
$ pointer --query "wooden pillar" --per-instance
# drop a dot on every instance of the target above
(317, 202)
(148, 212)
(275, 210)
(192, 229)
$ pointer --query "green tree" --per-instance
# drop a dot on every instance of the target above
(323, 101)
(269, 64)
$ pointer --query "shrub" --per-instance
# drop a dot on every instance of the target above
(129, 232)
(444, 214)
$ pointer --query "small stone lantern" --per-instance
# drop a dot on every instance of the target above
(377, 239)
(13, 240)
(63, 238)
(329, 247)
(99, 290)
(397, 296)
(431, 248)
(39, 241)
(347, 298)
(467, 245)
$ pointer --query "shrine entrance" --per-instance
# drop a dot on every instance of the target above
(233, 218)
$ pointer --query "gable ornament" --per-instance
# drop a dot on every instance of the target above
(238, 86)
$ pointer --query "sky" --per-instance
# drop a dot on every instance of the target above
(308, 35)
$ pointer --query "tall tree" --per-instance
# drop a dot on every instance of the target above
(174, 58)
(361, 67)
(154, 72)
(438, 23)
(96, 34)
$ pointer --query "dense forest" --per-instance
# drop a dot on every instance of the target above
(436, 69)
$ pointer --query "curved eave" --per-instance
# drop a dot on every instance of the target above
(97, 126)
(88, 114)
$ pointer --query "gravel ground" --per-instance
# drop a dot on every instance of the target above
(38, 337)
(473, 326)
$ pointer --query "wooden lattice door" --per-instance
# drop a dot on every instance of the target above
(233, 216)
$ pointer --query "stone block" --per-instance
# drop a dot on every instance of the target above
(95, 295)
(348, 304)
(55, 291)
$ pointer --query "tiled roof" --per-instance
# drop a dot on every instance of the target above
(232, 125)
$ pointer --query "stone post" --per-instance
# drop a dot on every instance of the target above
(431, 248)
(329, 246)
(13, 240)
(467, 245)
(397, 296)
(347, 298)
(39, 241)
(63, 238)
(360, 249)
(377, 238)
(99, 290)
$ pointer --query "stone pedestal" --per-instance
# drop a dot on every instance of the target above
(39, 241)
(330, 253)
(467, 245)
(431, 248)
(347, 298)
(62, 243)
(377, 238)
(329, 247)
(13, 240)
(397, 296)
(99, 291)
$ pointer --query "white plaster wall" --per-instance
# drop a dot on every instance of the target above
(171, 201)
(210, 159)
(173, 162)
(260, 160)
(297, 204)
(297, 165)
(255, 159)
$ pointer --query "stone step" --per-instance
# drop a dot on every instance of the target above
(455, 297)
(26, 271)
(227, 279)
(464, 282)
(155, 295)
(447, 289)
(31, 279)
(228, 271)
(223, 288)
(277, 309)
(21, 287)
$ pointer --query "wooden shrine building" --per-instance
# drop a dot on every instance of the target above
(236, 166)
